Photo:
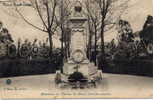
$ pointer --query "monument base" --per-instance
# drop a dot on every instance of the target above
(89, 71)
(85, 68)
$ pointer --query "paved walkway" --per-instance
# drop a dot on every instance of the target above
(113, 85)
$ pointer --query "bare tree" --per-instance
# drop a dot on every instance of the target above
(110, 12)
(63, 21)
(93, 23)
(90, 36)
(46, 11)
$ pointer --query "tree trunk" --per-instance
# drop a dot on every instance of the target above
(66, 46)
(89, 46)
(95, 55)
(62, 43)
(62, 48)
(51, 45)
(68, 43)
(102, 45)
(69, 48)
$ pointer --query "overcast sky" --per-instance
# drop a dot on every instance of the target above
(136, 15)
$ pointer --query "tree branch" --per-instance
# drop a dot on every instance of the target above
(48, 16)
(53, 14)
(29, 22)
(37, 8)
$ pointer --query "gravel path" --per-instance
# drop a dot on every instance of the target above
(113, 85)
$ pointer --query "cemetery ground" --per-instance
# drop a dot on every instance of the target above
(43, 86)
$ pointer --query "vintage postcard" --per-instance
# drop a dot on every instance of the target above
(76, 49)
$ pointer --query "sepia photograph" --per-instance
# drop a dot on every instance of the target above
(76, 49)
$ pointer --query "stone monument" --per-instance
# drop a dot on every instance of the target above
(78, 61)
